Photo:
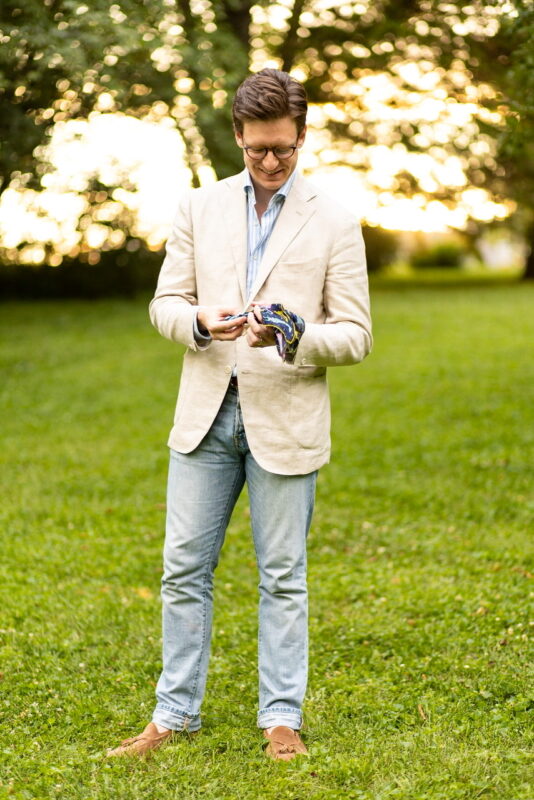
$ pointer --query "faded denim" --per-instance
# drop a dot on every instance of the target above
(202, 490)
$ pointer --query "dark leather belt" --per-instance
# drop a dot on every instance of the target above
(233, 381)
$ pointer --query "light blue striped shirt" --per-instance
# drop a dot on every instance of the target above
(259, 231)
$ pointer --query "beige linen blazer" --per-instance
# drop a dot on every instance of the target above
(314, 264)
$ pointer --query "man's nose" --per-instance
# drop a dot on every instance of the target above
(270, 161)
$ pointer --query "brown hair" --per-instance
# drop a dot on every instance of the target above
(269, 94)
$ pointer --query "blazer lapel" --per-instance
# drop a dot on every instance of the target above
(296, 211)
(234, 211)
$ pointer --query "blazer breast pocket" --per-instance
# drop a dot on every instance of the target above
(298, 285)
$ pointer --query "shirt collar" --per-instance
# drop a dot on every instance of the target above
(282, 192)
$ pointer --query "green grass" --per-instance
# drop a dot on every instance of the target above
(404, 275)
(419, 563)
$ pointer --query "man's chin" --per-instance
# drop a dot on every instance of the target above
(273, 181)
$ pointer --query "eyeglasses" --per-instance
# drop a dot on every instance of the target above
(258, 153)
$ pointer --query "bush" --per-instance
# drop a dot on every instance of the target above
(445, 254)
(118, 273)
(381, 247)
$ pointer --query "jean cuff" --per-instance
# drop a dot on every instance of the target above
(175, 720)
(280, 715)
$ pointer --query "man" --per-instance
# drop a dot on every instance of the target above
(245, 414)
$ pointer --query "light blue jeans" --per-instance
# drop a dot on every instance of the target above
(202, 490)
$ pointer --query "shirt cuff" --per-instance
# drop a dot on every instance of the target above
(203, 340)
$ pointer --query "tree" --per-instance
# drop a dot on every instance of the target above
(59, 57)
(60, 60)
(509, 63)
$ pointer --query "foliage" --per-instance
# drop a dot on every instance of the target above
(381, 246)
(122, 274)
(60, 59)
(513, 74)
(182, 61)
(56, 57)
(509, 64)
(187, 59)
(420, 564)
(445, 254)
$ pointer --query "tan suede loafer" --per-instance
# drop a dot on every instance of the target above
(140, 745)
(284, 744)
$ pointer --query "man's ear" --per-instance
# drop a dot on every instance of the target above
(302, 136)
(239, 138)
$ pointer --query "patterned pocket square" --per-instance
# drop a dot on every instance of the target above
(288, 328)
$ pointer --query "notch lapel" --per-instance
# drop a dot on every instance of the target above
(234, 211)
(296, 211)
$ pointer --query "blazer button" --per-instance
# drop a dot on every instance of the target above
(228, 369)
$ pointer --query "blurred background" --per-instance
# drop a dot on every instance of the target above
(421, 121)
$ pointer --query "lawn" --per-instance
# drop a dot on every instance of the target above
(420, 563)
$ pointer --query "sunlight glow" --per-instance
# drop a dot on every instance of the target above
(384, 184)
(145, 157)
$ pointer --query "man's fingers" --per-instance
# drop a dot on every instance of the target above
(222, 327)
(263, 337)
(230, 336)
(228, 330)
(228, 325)
(255, 334)
(253, 321)
(258, 335)
(213, 319)
(253, 340)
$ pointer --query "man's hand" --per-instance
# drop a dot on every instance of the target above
(259, 335)
(211, 319)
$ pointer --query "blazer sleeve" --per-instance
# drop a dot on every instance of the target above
(345, 336)
(174, 307)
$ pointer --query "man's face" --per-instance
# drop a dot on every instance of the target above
(270, 172)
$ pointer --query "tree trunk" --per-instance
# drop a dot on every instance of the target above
(528, 274)
(289, 45)
(215, 124)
